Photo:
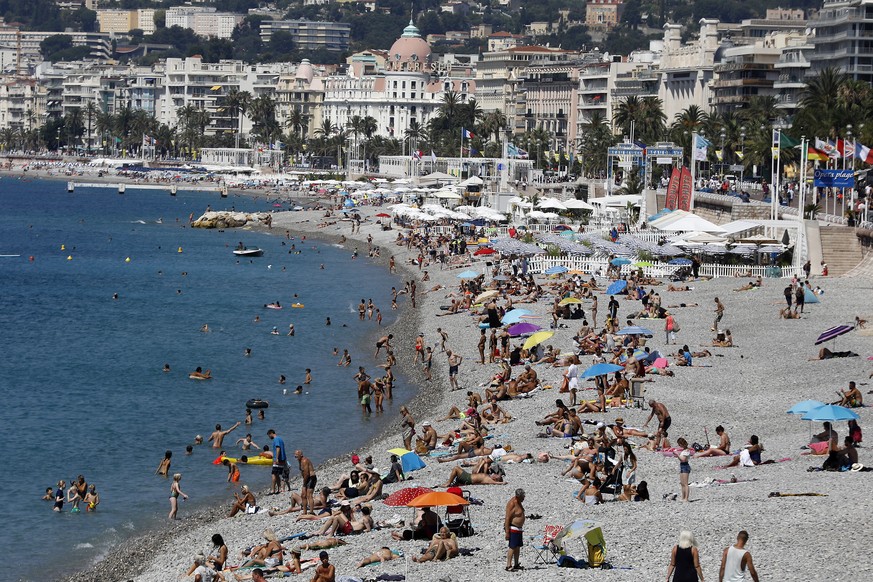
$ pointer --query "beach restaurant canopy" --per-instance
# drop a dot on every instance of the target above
(689, 222)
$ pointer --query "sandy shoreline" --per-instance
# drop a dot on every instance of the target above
(747, 389)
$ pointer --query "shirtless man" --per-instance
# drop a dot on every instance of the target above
(723, 448)
(408, 425)
(494, 413)
(527, 380)
(513, 526)
(384, 342)
(247, 443)
(459, 476)
(664, 420)
(444, 337)
(428, 436)
(325, 571)
(852, 397)
(454, 362)
(217, 437)
(310, 479)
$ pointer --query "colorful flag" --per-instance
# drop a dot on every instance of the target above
(700, 148)
(847, 153)
(416, 154)
(468, 134)
(433, 157)
(673, 189)
(740, 154)
(827, 147)
(719, 155)
(816, 155)
(863, 153)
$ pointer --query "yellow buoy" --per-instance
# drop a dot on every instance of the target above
(180, 250)
(127, 260)
(69, 257)
(63, 247)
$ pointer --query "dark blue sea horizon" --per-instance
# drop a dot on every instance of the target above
(83, 388)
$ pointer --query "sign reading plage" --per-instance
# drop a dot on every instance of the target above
(834, 179)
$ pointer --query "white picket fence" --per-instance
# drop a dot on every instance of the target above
(594, 265)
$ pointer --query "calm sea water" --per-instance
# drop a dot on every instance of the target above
(82, 386)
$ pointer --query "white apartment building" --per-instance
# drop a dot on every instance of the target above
(303, 91)
(22, 103)
(204, 21)
(409, 87)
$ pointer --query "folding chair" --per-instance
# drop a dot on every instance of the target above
(458, 516)
(547, 551)
(612, 485)
(638, 393)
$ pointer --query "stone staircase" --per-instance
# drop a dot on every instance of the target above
(840, 249)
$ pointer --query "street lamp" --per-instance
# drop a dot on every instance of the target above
(846, 145)
(723, 136)
(743, 155)
(539, 153)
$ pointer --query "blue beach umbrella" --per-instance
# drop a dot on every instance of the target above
(556, 270)
(805, 406)
(348, 203)
(569, 234)
(809, 296)
(679, 261)
(468, 275)
(514, 316)
(601, 370)
(408, 460)
(829, 413)
(635, 330)
(619, 261)
(616, 287)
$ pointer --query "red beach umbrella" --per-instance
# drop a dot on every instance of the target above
(383, 215)
(484, 251)
(403, 497)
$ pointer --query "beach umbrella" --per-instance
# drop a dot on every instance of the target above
(805, 406)
(569, 301)
(829, 413)
(619, 261)
(383, 215)
(537, 338)
(523, 328)
(468, 275)
(484, 251)
(408, 460)
(575, 272)
(568, 234)
(601, 370)
(642, 264)
(635, 330)
(403, 497)
(616, 287)
(679, 261)
(486, 295)
(833, 333)
(437, 499)
(502, 278)
(556, 270)
(582, 528)
(809, 296)
(661, 363)
(514, 316)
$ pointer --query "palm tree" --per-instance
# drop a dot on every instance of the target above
(820, 105)
(494, 123)
(263, 114)
(297, 122)
(7, 139)
(91, 112)
(645, 116)
(73, 126)
(369, 125)
(105, 128)
(237, 102)
(595, 139)
(192, 124)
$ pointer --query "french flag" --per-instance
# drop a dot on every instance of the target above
(863, 153)
(468, 134)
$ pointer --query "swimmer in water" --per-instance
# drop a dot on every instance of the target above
(308, 379)
(92, 499)
(248, 419)
(164, 467)
(327, 322)
(166, 367)
(274, 331)
(115, 296)
(261, 414)
(204, 328)
(291, 329)
(257, 319)
(247, 443)
(281, 378)
(248, 352)
(217, 436)
(336, 351)
(298, 390)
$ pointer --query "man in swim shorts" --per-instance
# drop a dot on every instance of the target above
(280, 460)
(513, 525)
(664, 420)
(310, 480)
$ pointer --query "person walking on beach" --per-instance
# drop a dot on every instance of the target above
(175, 492)
(719, 313)
(408, 425)
(684, 474)
(310, 480)
(492, 346)
(483, 339)
(428, 361)
(799, 298)
(280, 460)
(594, 311)
(670, 327)
(789, 293)
(513, 526)
(454, 362)
(444, 337)
(736, 561)
(612, 307)
(217, 436)
(685, 560)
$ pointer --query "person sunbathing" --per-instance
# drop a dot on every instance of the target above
(723, 448)
(243, 502)
(321, 502)
(443, 546)
(725, 340)
(750, 455)
(826, 354)
(852, 397)
(380, 556)
(470, 454)
(495, 414)
(786, 313)
(599, 404)
(460, 477)
(343, 522)
(747, 287)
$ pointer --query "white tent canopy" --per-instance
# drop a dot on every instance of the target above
(615, 201)
(551, 203)
(472, 181)
(700, 237)
(691, 222)
(574, 204)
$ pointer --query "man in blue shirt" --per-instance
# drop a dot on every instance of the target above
(685, 354)
(280, 460)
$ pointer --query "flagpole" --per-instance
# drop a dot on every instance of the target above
(461, 150)
(804, 154)
(776, 141)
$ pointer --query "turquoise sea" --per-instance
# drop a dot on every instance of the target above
(83, 390)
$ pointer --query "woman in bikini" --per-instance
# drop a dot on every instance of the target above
(175, 492)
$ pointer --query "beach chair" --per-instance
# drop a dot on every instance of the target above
(457, 517)
(637, 393)
(547, 551)
(612, 484)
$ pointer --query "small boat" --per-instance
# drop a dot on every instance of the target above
(248, 252)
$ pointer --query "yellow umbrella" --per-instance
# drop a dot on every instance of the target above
(486, 295)
(569, 301)
(537, 338)
(575, 272)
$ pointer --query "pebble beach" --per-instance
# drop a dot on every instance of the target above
(747, 389)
